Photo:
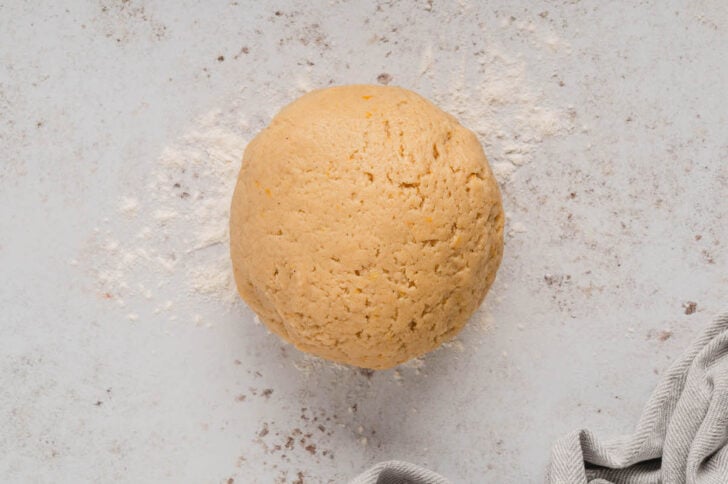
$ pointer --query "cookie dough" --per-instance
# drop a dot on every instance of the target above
(366, 225)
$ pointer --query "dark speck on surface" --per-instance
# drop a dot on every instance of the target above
(384, 78)
(708, 257)
(243, 50)
(557, 279)
(367, 373)
(664, 335)
(690, 307)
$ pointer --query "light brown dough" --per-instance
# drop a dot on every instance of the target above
(366, 225)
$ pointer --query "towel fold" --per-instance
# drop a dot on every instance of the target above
(682, 436)
(398, 472)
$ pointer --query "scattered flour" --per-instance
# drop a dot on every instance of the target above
(415, 363)
(129, 206)
(214, 281)
(509, 114)
(312, 365)
(172, 228)
(455, 344)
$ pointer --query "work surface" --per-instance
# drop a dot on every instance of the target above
(126, 355)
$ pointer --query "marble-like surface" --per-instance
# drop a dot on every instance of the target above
(605, 122)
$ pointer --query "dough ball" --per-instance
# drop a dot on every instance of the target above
(366, 225)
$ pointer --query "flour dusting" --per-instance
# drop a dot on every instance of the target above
(172, 231)
(509, 114)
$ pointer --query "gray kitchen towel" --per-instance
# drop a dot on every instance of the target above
(681, 438)
(398, 472)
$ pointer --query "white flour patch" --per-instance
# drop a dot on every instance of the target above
(172, 231)
(509, 114)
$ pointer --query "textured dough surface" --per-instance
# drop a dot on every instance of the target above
(366, 225)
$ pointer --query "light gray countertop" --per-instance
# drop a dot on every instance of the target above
(125, 355)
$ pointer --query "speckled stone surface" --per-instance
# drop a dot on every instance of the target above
(605, 123)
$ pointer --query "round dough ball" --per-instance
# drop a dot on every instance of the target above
(366, 225)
